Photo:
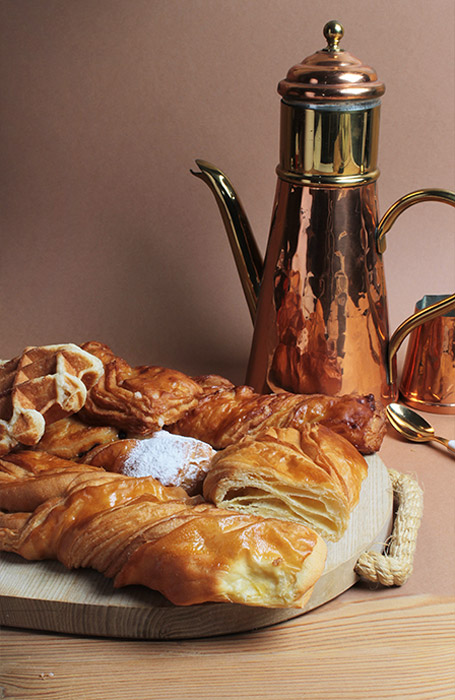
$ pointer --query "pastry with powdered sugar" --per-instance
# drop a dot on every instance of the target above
(171, 459)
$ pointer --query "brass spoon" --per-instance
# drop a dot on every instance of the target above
(414, 427)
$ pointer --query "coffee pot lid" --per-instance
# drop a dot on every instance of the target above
(331, 74)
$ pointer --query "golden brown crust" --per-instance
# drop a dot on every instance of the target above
(29, 478)
(138, 400)
(70, 438)
(211, 383)
(359, 419)
(309, 475)
(190, 553)
(224, 417)
(245, 559)
(110, 457)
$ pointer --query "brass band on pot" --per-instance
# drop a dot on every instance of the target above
(337, 146)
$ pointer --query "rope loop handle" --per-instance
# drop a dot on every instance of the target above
(394, 567)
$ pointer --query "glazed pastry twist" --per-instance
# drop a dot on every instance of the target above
(29, 478)
(226, 413)
(191, 553)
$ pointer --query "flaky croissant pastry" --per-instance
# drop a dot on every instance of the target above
(189, 553)
(225, 414)
(138, 400)
(311, 475)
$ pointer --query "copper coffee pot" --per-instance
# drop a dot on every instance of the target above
(318, 302)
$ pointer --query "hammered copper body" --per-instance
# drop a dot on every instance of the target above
(428, 377)
(321, 323)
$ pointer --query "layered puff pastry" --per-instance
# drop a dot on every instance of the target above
(226, 413)
(172, 459)
(311, 475)
(138, 400)
(190, 552)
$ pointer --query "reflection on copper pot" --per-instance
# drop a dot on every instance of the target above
(323, 293)
(428, 377)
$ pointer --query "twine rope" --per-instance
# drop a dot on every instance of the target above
(394, 567)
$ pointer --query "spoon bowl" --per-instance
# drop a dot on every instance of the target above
(413, 426)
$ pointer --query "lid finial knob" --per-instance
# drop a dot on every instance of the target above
(333, 32)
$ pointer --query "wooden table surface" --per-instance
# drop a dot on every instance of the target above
(370, 642)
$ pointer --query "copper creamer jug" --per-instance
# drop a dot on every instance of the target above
(319, 300)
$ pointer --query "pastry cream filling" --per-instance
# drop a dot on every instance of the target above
(251, 582)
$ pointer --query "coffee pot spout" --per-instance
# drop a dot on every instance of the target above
(247, 256)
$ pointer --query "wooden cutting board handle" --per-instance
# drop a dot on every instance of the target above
(394, 566)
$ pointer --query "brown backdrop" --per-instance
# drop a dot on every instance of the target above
(105, 105)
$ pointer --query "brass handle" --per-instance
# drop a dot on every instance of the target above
(393, 212)
(385, 224)
(412, 322)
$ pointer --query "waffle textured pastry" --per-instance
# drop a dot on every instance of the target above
(41, 386)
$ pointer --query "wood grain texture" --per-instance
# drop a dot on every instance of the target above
(46, 596)
(393, 647)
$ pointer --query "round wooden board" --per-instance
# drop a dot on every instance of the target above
(46, 596)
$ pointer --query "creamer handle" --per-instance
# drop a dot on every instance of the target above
(385, 224)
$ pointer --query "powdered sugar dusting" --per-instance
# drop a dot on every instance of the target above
(171, 459)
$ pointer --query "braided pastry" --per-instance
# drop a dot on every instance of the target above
(226, 413)
(190, 552)
(29, 478)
